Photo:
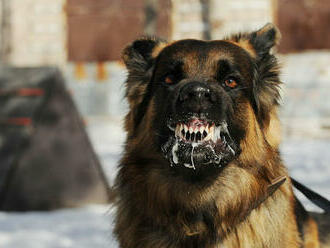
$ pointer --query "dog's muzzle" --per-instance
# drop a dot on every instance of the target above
(197, 142)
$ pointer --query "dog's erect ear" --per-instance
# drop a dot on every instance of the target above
(139, 56)
(258, 43)
(264, 39)
(266, 76)
(267, 83)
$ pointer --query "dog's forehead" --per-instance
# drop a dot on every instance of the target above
(198, 54)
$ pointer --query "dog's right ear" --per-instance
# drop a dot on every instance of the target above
(139, 58)
(140, 55)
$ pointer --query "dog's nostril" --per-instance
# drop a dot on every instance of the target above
(204, 94)
(195, 91)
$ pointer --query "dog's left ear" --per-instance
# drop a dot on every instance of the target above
(260, 42)
(266, 84)
(264, 39)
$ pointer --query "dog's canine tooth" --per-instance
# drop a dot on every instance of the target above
(217, 133)
(191, 130)
(207, 130)
(204, 134)
(224, 127)
(212, 134)
(185, 128)
(201, 129)
(212, 130)
(177, 130)
(208, 137)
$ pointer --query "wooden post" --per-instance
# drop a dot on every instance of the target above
(150, 10)
(205, 7)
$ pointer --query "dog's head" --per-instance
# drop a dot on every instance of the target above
(202, 102)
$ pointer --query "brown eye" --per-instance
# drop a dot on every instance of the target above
(169, 79)
(231, 83)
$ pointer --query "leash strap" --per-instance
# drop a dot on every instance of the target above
(314, 197)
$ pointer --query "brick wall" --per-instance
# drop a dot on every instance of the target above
(225, 17)
(39, 37)
(230, 16)
(37, 32)
(187, 19)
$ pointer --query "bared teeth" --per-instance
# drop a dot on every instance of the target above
(177, 130)
(211, 130)
(185, 128)
(208, 137)
(204, 134)
(198, 133)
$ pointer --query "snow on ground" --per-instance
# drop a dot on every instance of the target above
(84, 228)
(308, 161)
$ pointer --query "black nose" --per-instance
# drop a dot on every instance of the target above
(195, 92)
(195, 97)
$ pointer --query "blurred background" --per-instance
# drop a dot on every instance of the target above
(84, 39)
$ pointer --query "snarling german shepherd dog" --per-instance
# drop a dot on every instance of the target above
(201, 166)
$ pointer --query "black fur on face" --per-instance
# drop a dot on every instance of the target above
(194, 108)
(198, 89)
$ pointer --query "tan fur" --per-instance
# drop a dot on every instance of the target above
(254, 136)
(311, 236)
(246, 45)
(260, 227)
(273, 130)
(158, 49)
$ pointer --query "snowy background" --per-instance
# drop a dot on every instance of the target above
(305, 150)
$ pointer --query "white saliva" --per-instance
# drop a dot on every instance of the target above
(192, 165)
(174, 152)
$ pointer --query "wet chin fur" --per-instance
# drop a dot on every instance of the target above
(196, 155)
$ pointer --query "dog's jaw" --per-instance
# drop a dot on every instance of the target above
(197, 143)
